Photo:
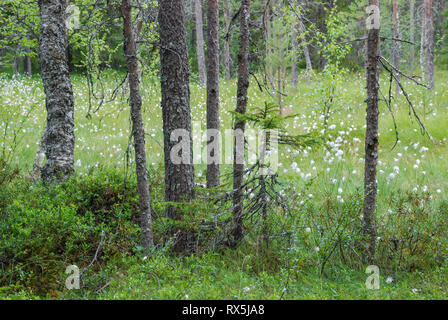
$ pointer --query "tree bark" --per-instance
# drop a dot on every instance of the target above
(267, 35)
(396, 44)
(243, 85)
(429, 40)
(200, 42)
(39, 159)
(306, 51)
(294, 73)
(412, 30)
(213, 149)
(59, 134)
(226, 62)
(423, 45)
(138, 132)
(27, 64)
(372, 138)
(174, 79)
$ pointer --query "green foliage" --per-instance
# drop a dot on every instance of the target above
(328, 83)
(46, 228)
(413, 233)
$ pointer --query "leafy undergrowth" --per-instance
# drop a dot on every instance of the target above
(44, 229)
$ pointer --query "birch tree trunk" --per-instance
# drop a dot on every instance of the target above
(372, 138)
(59, 134)
(243, 85)
(423, 45)
(200, 42)
(396, 44)
(306, 51)
(138, 132)
(213, 147)
(39, 159)
(226, 61)
(267, 35)
(294, 74)
(176, 113)
(412, 30)
(429, 41)
(27, 64)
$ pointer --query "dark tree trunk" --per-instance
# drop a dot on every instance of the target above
(138, 132)
(59, 135)
(179, 178)
(200, 42)
(243, 85)
(429, 39)
(372, 140)
(213, 147)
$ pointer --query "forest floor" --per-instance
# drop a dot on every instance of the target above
(416, 167)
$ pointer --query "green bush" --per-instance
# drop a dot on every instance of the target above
(46, 228)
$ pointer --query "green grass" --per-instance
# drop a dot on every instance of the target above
(416, 166)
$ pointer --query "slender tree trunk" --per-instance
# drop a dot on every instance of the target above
(372, 138)
(412, 30)
(306, 51)
(227, 13)
(429, 40)
(15, 64)
(294, 73)
(213, 147)
(138, 132)
(267, 35)
(396, 44)
(27, 64)
(423, 45)
(200, 42)
(176, 113)
(59, 135)
(243, 85)
(39, 159)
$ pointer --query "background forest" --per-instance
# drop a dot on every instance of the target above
(91, 91)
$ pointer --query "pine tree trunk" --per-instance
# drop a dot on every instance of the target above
(213, 171)
(243, 85)
(59, 135)
(200, 42)
(429, 40)
(372, 141)
(138, 132)
(176, 113)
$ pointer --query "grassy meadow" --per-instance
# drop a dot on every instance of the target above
(412, 183)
